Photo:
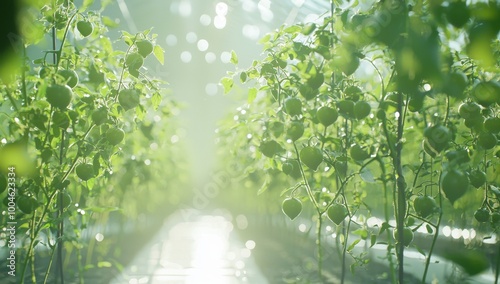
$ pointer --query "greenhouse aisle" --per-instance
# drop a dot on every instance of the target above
(193, 248)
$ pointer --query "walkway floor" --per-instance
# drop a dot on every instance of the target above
(194, 250)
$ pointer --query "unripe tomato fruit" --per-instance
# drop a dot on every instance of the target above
(292, 207)
(424, 205)
(114, 136)
(293, 106)
(487, 140)
(129, 98)
(454, 184)
(457, 13)
(362, 109)
(477, 178)
(270, 148)
(407, 235)
(492, 124)
(85, 171)
(311, 157)
(486, 93)
(358, 153)
(482, 215)
(469, 110)
(85, 28)
(295, 130)
(70, 77)
(316, 81)
(346, 108)
(337, 213)
(99, 116)
(59, 96)
(27, 204)
(327, 115)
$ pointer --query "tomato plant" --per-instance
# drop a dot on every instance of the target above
(70, 113)
(389, 105)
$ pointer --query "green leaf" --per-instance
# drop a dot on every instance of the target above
(367, 176)
(108, 22)
(156, 100)
(384, 227)
(234, 57)
(373, 240)
(252, 94)
(227, 83)
(101, 264)
(351, 246)
(473, 262)
(159, 54)
(429, 229)
(293, 29)
(363, 233)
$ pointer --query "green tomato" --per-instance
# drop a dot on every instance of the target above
(438, 137)
(349, 64)
(327, 115)
(457, 13)
(454, 184)
(311, 157)
(270, 148)
(353, 93)
(85, 171)
(492, 124)
(99, 116)
(114, 136)
(346, 108)
(337, 213)
(60, 119)
(70, 77)
(316, 81)
(362, 109)
(129, 98)
(59, 96)
(307, 92)
(85, 28)
(27, 204)
(293, 106)
(487, 140)
(295, 130)
(477, 178)
(424, 205)
(292, 207)
(407, 235)
(469, 110)
(456, 83)
(358, 153)
(486, 93)
(482, 215)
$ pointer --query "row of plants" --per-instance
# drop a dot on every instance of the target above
(388, 111)
(79, 132)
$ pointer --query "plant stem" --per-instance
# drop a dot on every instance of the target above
(400, 188)
(319, 247)
(60, 230)
(497, 266)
